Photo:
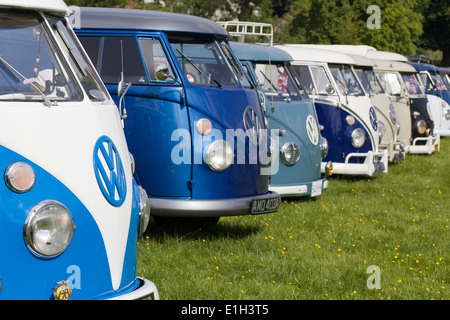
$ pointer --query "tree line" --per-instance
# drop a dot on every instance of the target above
(407, 27)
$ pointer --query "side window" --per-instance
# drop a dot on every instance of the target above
(305, 77)
(158, 67)
(321, 78)
(111, 63)
(92, 47)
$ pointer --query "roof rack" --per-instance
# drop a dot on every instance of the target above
(241, 28)
(418, 58)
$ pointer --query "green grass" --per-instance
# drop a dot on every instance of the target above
(319, 248)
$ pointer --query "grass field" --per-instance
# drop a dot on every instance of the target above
(319, 248)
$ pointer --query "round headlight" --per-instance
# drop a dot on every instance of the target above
(358, 138)
(290, 153)
(421, 126)
(219, 155)
(393, 114)
(48, 229)
(20, 177)
(324, 147)
(144, 210)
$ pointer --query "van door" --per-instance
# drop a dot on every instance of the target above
(154, 106)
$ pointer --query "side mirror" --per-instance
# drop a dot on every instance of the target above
(163, 73)
(329, 88)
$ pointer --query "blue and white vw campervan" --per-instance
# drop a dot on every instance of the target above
(345, 113)
(388, 120)
(194, 122)
(292, 120)
(438, 95)
(71, 210)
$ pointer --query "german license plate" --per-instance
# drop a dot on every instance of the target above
(265, 205)
(316, 188)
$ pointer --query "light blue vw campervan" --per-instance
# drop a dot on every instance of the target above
(292, 120)
(192, 118)
(71, 212)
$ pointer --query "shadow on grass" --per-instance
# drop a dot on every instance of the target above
(193, 229)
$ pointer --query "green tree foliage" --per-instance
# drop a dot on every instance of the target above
(345, 22)
(436, 26)
(404, 25)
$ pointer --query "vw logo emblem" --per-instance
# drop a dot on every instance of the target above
(373, 118)
(109, 171)
(251, 125)
(312, 130)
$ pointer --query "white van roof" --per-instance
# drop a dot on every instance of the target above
(360, 50)
(385, 55)
(389, 65)
(54, 6)
(308, 53)
(362, 61)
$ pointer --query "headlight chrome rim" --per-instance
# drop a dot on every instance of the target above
(293, 157)
(324, 147)
(219, 155)
(358, 138)
(144, 210)
(421, 126)
(393, 114)
(37, 235)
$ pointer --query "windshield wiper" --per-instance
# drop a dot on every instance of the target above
(14, 71)
(264, 75)
(199, 69)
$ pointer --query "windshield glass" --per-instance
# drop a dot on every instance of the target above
(446, 80)
(235, 65)
(78, 61)
(314, 79)
(276, 82)
(390, 82)
(369, 81)
(30, 66)
(412, 84)
(346, 80)
(202, 62)
(439, 82)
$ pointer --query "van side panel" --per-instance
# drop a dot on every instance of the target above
(157, 128)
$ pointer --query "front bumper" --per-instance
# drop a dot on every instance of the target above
(396, 150)
(145, 291)
(432, 144)
(211, 208)
(313, 189)
(374, 162)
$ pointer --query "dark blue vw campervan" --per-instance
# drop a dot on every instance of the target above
(192, 118)
(432, 79)
(292, 120)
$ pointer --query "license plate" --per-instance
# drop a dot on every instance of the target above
(316, 188)
(265, 205)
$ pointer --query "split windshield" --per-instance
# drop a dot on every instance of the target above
(369, 81)
(346, 80)
(202, 61)
(276, 81)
